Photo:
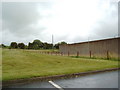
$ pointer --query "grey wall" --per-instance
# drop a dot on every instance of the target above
(100, 48)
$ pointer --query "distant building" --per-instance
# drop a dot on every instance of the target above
(106, 48)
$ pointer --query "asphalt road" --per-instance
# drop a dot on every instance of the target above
(100, 80)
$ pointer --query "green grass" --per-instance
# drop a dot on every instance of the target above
(0, 64)
(44, 50)
(18, 64)
(101, 58)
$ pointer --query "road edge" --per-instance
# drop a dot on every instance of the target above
(47, 78)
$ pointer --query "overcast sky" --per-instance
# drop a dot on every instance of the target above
(68, 20)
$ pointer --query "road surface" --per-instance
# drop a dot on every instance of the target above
(100, 80)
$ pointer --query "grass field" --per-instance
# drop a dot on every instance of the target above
(18, 64)
(0, 64)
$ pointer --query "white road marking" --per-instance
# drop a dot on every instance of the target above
(55, 85)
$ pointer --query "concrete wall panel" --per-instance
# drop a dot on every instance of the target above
(99, 48)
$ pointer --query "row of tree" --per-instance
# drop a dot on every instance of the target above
(15, 45)
(36, 44)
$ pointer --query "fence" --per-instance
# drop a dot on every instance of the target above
(51, 53)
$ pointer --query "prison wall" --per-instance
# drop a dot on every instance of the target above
(107, 48)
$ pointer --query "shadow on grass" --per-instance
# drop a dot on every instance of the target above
(112, 59)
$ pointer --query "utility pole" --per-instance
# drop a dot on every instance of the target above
(88, 44)
(89, 47)
(52, 43)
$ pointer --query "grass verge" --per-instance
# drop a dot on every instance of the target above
(20, 64)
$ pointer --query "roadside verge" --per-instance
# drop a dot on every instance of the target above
(22, 81)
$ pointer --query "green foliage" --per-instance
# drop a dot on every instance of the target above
(30, 45)
(2, 46)
(13, 45)
(21, 45)
(33, 46)
(26, 47)
(63, 42)
(56, 46)
(36, 44)
(47, 46)
(60, 43)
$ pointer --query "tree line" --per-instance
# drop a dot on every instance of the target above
(36, 44)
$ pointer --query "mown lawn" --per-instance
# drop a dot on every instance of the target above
(18, 64)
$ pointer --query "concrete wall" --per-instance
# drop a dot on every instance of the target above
(107, 48)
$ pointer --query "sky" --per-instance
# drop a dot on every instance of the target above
(71, 21)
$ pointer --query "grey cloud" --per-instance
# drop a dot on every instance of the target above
(19, 17)
(109, 29)
(19, 23)
(19, 20)
(108, 26)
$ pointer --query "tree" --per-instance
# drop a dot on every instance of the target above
(60, 43)
(37, 44)
(47, 45)
(57, 46)
(21, 45)
(26, 47)
(34, 45)
(13, 45)
(50, 46)
(30, 45)
(2, 46)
